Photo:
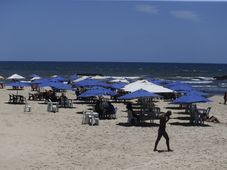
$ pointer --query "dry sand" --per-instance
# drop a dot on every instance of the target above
(44, 140)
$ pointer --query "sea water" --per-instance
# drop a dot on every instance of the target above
(200, 76)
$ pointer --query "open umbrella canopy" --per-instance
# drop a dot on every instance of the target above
(15, 77)
(146, 85)
(60, 86)
(118, 85)
(197, 92)
(39, 81)
(74, 77)
(179, 87)
(19, 84)
(91, 82)
(97, 91)
(191, 98)
(58, 78)
(138, 94)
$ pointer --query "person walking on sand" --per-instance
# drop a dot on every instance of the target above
(225, 97)
(162, 130)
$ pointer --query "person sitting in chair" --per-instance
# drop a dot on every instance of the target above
(111, 110)
(63, 99)
(133, 118)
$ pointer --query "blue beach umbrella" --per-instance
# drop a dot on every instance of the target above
(43, 82)
(19, 84)
(197, 92)
(39, 81)
(91, 82)
(97, 92)
(179, 87)
(58, 79)
(61, 86)
(74, 77)
(138, 94)
(118, 85)
(191, 98)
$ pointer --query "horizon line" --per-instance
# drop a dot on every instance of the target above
(148, 62)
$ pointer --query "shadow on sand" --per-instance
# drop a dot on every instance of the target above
(182, 113)
(14, 103)
(79, 113)
(144, 124)
(160, 151)
(182, 118)
(187, 124)
(175, 108)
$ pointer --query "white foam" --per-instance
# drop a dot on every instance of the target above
(198, 82)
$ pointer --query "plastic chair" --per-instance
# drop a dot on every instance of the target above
(93, 118)
(27, 107)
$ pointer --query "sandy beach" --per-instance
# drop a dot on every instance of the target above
(44, 140)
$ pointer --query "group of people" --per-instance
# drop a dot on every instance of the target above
(51, 96)
(105, 109)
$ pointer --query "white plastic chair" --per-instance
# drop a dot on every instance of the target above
(85, 118)
(52, 106)
(27, 107)
(94, 118)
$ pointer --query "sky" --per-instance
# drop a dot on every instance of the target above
(113, 31)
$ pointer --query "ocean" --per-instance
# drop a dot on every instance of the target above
(200, 76)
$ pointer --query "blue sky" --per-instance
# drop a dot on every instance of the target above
(130, 31)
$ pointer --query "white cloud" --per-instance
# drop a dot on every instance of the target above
(185, 14)
(147, 9)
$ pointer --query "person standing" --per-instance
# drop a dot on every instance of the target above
(225, 97)
(162, 130)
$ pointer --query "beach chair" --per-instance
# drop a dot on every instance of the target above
(10, 98)
(131, 119)
(90, 117)
(27, 107)
(205, 114)
(52, 106)
(93, 118)
(86, 114)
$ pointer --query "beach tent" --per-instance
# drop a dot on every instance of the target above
(139, 94)
(191, 98)
(15, 77)
(146, 85)
(97, 91)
